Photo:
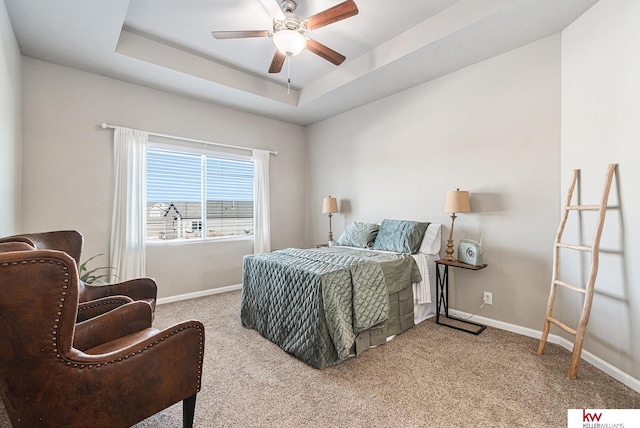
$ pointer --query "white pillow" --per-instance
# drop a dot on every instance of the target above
(432, 239)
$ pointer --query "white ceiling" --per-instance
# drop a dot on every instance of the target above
(390, 46)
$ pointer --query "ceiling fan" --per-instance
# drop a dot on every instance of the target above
(289, 29)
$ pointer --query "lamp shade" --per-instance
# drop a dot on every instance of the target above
(289, 42)
(457, 202)
(329, 205)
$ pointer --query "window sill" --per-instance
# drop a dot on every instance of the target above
(199, 241)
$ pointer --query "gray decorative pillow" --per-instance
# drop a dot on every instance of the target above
(400, 236)
(359, 234)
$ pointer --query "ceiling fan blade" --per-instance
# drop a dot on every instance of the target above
(333, 14)
(277, 62)
(240, 34)
(273, 8)
(325, 52)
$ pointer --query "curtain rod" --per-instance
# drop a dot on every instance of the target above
(106, 125)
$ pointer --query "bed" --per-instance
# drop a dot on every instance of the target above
(327, 304)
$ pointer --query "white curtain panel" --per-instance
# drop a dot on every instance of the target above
(261, 205)
(127, 250)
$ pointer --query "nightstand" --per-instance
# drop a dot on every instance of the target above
(442, 294)
(321, 245)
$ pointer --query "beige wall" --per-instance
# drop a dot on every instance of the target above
(10, 126)
(68, 166)
(601, 125)
(492, 129)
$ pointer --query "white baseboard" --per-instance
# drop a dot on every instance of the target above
(202, 293)
(598, 362)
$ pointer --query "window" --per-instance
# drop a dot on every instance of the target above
(197, 195)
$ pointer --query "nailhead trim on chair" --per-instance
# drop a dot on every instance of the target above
(101, 303)
(56, 321)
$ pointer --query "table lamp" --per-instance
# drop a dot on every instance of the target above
(329, 206)
(457, 202)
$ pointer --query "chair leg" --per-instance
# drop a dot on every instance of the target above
(188, 411)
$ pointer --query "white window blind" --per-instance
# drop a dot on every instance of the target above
(197, 196)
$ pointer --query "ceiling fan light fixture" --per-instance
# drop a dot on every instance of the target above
(289, 42)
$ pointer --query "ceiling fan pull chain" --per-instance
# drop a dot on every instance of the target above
(288, 74)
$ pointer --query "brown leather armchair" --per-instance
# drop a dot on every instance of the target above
(112, 370)
(95, 299)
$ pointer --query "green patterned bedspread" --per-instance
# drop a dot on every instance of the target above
(313, 303)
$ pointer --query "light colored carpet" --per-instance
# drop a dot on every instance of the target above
(429, 376)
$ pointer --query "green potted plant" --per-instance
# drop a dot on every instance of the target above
(99, 274)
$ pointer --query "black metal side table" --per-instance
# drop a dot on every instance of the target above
(442, 294)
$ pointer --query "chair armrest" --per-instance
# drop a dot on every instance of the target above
(137, 289)
(97, 307)
(122, 321)
(157, 367)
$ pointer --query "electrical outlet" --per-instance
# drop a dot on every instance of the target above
(487, 298)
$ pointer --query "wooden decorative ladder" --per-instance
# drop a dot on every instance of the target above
(588, 289)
